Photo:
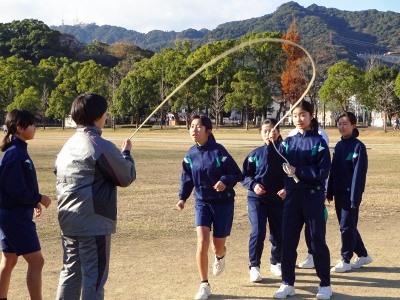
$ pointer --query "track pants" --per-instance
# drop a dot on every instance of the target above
(85, 267)
(300, 207)
(348, 219)
(259, 213)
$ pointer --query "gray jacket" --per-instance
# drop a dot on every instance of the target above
(89, 169)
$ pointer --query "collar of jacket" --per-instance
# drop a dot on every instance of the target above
(307, 133)
(92, 128)
(207, 145)
(17, 141)
(350, 138)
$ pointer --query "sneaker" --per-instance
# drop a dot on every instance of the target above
(218, 265)
(284, 291)
(341, 267)
(308, 263)
(255, 275)
(324, 293)
(276, 270)
(361, 261)
(204, 291)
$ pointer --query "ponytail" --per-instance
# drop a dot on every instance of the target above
(314, 125)
(6, 141)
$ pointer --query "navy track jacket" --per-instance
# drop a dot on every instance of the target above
(263, 166)
(349, 170)
(203, 166)
(19, 185)
(309, 153)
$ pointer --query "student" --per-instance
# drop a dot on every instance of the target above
(88, 169)
(308, 262)
(19, 201)
(309, 159)
(263, 178)
(346, 184)
(211, 171)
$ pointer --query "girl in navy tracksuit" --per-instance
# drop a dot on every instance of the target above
(19, 201)
(309, 159)
(211, 171)
(264, 180)
(346, 184)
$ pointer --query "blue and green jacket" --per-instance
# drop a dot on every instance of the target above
(263, 166)
(203, 166)
(18, 181)
(309, 153)
(349, 170)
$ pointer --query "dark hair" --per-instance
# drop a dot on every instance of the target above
(308, 107)
(15, 118)
(87, 108)
(353, 121)
(206, 122)
(273, 122)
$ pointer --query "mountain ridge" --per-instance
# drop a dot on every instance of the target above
(346, 33)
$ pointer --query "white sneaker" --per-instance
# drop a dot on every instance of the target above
(361, 261)
(341, 267)
(308, 263)
(324, 293)
(284, 291)
(204, 291)
(255, 275)
(219, 265)
(276, 270)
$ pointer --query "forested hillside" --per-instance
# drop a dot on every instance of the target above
(342, 34)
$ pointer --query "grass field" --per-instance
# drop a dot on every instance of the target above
(153, 252)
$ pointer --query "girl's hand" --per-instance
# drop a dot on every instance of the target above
(127, 145)
(259, 189)
(180, 205)
(220, 186)
(282, 193)
(38, 210)
(291, 170)
(45, 201)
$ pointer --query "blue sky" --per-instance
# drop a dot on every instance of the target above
(166, 15)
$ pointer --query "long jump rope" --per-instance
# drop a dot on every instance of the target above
(286, 164)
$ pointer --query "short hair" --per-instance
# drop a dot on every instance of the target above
(87, 108)
(270, 121)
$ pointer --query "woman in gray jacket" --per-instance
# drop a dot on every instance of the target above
(88, 169)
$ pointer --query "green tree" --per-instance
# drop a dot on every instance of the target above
(29, 39)
(134, 93)
(92, 78)
(28, 100)
(381, 94)
(397, 86)
(344, 81)
(167, 69)
(16, 75)
(217, 78)
(267, 60)
(248, 92)
(65, 92)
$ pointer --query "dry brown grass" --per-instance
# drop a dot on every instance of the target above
(153, 250)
